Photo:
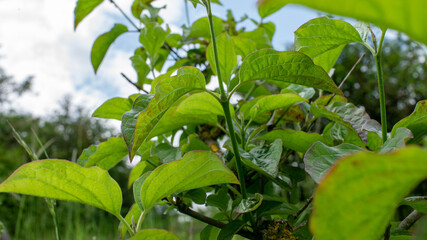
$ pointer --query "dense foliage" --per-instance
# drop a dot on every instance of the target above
(292, 159)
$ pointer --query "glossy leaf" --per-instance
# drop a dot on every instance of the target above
(87, 152)
(418, 203)
(259, 36)
(250, 204)
(83, 8)
(354, 118)
(103, 42)
(137, 185)
(166, 152)
(416, 122)
(289, 67)
(267, 103)
(401, 15)
(296, 140)
(65, 180)
(397, 141)
(196, 169)
(219, 200)
(154, 234)
(168, 90)
(370, 182)
(200, 28)
(320, 157)
(323, 39)
(108, 153)
(198, 108)
(152, 38)
(226, 55)
(264, 159)
(113, 108)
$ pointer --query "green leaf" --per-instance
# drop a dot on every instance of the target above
(323, 39)
(296, 140)
(198, 108)
(401, 15)
(83, 8)
(137, 185)
(418, 203)
(374, 141)
(113, 108)
(152, 38)
(259, 36)
(87, 152)
(264, 159)
(355, 119)
(200, 28)
(289, 66)
(167, 91)
(65, 180)
(372, 183)
(397, 141)
(305, 92)
(219, 200)
(250, 204)
(194, 143)
(103, 42)
(209, 233)
(136, 172)
(108, 153)
(226, 54)
(166, 152)
(264, 104)
(138, 6)
(154, 234)
(196, 169)
(198, 195)
(416, 122)
(320, 157)
(243, 46)
(140, 66)
(228, 231)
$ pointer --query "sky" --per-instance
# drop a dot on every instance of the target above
(37, 38)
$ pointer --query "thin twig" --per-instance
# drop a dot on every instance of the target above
(134, 84)
(410, 220)
(303, 207)
(124, 14)
(346, 77)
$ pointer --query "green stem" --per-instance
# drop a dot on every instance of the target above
(225, 104)
(125, 223)
(381, 87)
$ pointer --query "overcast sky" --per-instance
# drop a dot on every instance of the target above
(37, 38)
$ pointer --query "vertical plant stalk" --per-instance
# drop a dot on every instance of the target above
(126, 224)
(381, 91)
(225, 104)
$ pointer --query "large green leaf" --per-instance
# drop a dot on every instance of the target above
(154, 234)
(320, 157)
(152, 38)
(406, 16)
(198, 108)
(323, 39)
(108, 153)
(397, 141)
(65, 180)
(196, 169)
(113, 108)
(354, 118)
(259, 36)
(360, 193)
(243, 46)
(103, 42)
(296, 140)
(83, 8)
(264, 159)
(259, 105)
(200, 27)
(290, 67)
(167, 91)
(226, 55)
(416, 122)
